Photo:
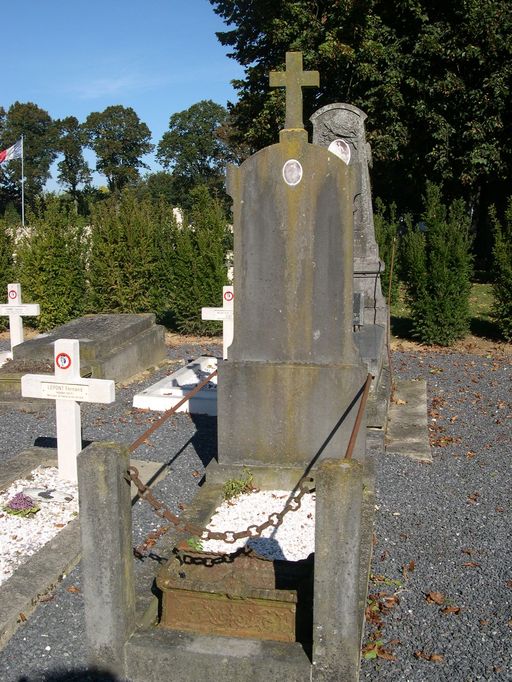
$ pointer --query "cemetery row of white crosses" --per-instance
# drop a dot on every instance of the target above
(16, 310)
(67, 387)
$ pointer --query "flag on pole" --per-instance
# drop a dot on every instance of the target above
(13, 152)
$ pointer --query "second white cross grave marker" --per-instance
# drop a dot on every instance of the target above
(225, 315)
(68, 388)
(16, 310)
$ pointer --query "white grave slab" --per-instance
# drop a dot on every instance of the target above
(16, 310)
(167, 392)
(225, 315)
(68, 388)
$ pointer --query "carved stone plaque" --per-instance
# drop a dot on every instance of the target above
(218, 614)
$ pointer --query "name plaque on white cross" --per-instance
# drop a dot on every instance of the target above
(64, 391)
(25, 309)
(216, 314)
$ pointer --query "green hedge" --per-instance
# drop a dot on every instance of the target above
(50, 262)
(502, 284)
(437, 270)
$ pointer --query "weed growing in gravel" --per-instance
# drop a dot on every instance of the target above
(195, 543)
(234, 487)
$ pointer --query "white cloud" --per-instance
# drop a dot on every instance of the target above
(96, 88)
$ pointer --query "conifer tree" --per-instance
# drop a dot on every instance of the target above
(50, 262)
(502, 285)
(438, 266)
(200, 266)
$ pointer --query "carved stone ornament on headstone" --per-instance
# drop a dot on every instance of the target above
(340, 128)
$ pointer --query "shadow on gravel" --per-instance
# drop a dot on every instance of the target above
(89, 675)
(204, 441)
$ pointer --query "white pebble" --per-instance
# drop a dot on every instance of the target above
(21, 537)
(294, 539)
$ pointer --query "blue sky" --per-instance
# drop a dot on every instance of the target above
(72, 57)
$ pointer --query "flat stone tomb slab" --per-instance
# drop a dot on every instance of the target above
(224, 315)
(67, 387)
(16, 310)
(112, 346)
(165, 393)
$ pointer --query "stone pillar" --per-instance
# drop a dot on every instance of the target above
(336, 611)
(107, 559)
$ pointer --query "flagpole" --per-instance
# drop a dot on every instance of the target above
(22, 186)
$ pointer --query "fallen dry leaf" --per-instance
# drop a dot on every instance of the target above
(434, 658)
(22, 617)
(196, 473)
(73, 589)
(483, 622)
(451, 609)
(435, 598)
(472, 564)
(473, 498)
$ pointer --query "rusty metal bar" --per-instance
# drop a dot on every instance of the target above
(359, 417)
(141, 439)
(391, 272)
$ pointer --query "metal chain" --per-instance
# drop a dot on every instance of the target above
(274, 520)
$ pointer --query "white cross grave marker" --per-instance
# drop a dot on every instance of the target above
(16, 310)
(225, 314)
(67, 387)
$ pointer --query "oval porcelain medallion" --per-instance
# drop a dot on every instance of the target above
(292, 172)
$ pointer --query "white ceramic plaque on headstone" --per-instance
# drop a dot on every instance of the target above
(342, 149)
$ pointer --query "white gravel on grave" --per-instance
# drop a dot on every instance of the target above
(293, 540)
(21, 537)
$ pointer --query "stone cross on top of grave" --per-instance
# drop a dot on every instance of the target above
(294, 79)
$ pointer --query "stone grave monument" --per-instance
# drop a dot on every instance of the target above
(341, 128)
(293, 361)
(289, 395)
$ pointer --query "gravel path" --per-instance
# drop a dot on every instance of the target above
(441, 529)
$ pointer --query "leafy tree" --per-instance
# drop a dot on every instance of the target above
(38, 132)
(196, 150)
(73, 169)
(433, 77)
(50, 262)
(119, 140)
(158, 186)
(502, 285)
(438, 268)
